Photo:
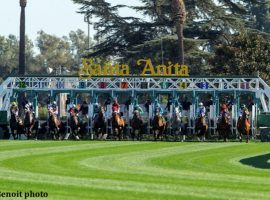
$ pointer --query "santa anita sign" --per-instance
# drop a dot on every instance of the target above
(91, 69)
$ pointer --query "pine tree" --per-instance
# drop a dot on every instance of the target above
(207, 24)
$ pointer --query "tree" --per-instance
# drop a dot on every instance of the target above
(259, 15)
(78, 45)
(207, 24)
(247, 53)
(179, 12)
(54, 52)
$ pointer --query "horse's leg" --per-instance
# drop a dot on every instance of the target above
(203, 133)
(183, 137)
(155, 134)
(121, 134)
(76, 134)
(247, 139)
(99, 133)
(13, 133)
(240, 136)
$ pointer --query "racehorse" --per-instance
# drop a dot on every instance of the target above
(137, 126)
(54, 125)
(118, 125)
(201, 127)
(223, 127)
(99, 126)
(243, 127)
(74, 126)
(159, 126)
(176, 123)
(16, 125)
(29, 122)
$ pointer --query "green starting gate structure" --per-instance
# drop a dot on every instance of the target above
(133, 85)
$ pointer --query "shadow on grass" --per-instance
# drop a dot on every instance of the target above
(262, 161)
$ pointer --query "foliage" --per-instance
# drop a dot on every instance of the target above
(54, 51)
(246, 54)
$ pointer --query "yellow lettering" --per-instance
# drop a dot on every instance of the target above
(96, 71)
(183, 71)
(125, 70)
(161, 70)
(116, 70)
(147, 68)
(169, 68)
(176, 69)
(107, 69)
(89, 69)
(85, 71)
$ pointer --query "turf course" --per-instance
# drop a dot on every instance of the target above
(136, 170)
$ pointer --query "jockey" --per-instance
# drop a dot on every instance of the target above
(157, 108)
(107, 102)
(169, 103)
(28, 107)
(201, 111)
(177, 105)
(223, 108)
(14, 109)
(138, 109)
(243, 110)
(53, 107)
(96, 108)
(73, 109)
(115, 106)
(84, 108)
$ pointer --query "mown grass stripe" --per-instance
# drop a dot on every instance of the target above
(147, 169)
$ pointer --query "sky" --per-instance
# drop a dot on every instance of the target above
(57, 17)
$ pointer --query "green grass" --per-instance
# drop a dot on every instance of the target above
(136, 170)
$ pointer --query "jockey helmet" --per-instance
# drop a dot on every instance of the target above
(72, 106)
(14, 103)
(54, 103)
(243, 106)
(200, 104)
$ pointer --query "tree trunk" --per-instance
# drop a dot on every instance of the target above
(22, 41)
(179, 29)
(179, 12)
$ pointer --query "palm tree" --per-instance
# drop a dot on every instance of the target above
(22, 38)
(179, 16)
